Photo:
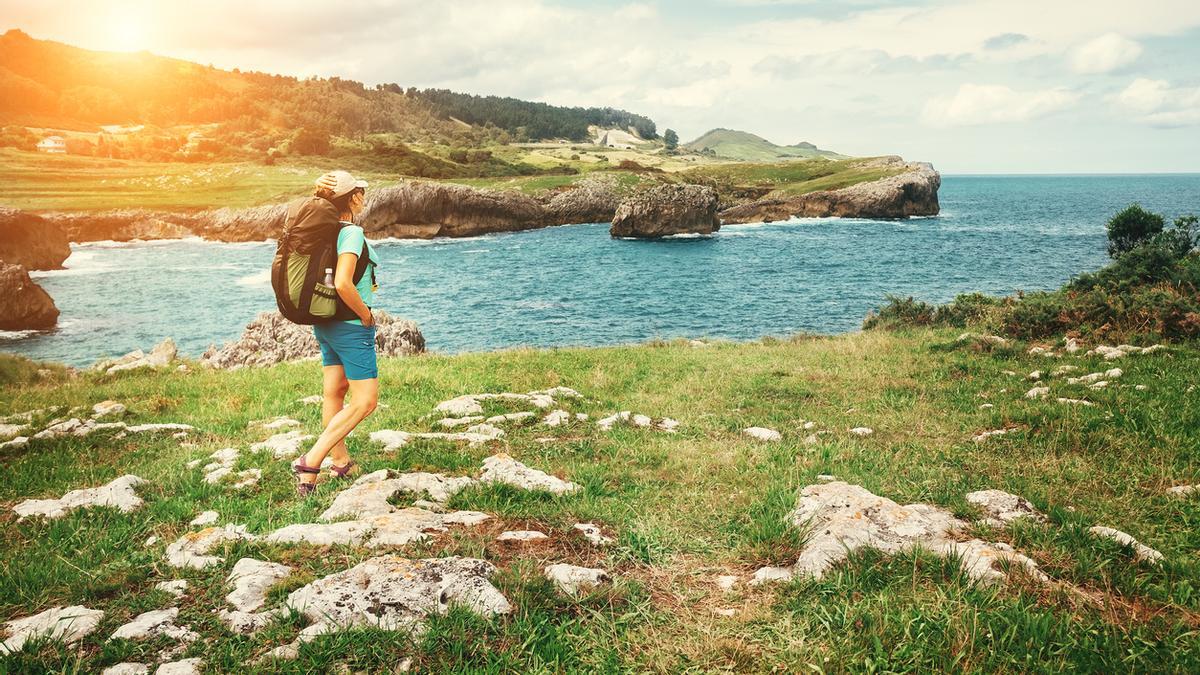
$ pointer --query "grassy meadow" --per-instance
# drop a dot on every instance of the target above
(683, 508)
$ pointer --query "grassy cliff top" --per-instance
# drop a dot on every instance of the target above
(744, 146)
(683, 508)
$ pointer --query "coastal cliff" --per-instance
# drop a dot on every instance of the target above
(425, 209)
(911, 193)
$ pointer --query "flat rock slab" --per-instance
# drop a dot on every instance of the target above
(281, 422)
(251, 579)
(369, 495)
(521, 535)
(475, 435)
(1141, 552)
(591, 532)
(571, 579)
(396, 593)
(118, 493)
(282, 446)
(1183, 491)
(176, 587)
(1111, 353)
(1001, 508)
(205, 518)
(842, 518)
(629, 418)
(862, 431)
(68, 624)
(159, 622)
(763, 434)
(190, 550)
(126, 668)
(184, 667)
(502, 468)
(396, 528)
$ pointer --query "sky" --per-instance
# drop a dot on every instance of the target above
(973, 86)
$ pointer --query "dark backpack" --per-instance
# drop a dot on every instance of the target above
(307, 247)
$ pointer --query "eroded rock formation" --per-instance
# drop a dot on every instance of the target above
(31, 241)
(23, 304)
(270, 339)
(666, 210)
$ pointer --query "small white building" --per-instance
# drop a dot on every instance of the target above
(54, 144)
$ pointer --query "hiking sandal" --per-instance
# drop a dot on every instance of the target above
(304, 489)
(342, 471)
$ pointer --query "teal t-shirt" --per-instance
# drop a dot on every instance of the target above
(350, 240)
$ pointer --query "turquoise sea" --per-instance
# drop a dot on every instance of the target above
(573, 285)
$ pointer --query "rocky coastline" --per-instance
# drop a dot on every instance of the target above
(425, 210)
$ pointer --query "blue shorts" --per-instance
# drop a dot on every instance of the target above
(349, 345)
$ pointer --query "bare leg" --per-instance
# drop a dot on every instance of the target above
(364, 396)
(335, 386)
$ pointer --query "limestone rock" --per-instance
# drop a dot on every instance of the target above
(571, 579)
(521, 535)
(183, 667)
(502, 468)
(1091, 378)
(396, 593)
(176, 587)
(1183, 491)
(666, 210)
(351, 532)
(843, 517)
(18, 442)
(1141, 552)
(369, 495)
(910, 193)
(862, 431)
(763, 434)
(726, 582)
(284, 445)
(251, 579)
(205, 518)
(126, 668)
(155, 623)
(593, 534)
(510, 417)
(1112, 353)
(281, 422)
(1037, 392)
(107, 408)
(453, 422)
(393, 439)
(23, 304)
(33, 242)
(1075, 401)
(1002, 507)
(68, 624)
(636, 420)
(159, 357)
(984, 435)
(557, 418)
(191, 549)
(271, 339)
(315, 399)
(117, 493)
(764, 575)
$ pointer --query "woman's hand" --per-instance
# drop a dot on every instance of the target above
(368, 320)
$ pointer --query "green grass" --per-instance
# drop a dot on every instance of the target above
(746, 147)
(683, 508)
(789, 178)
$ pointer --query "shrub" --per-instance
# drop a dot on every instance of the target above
(1130, 227)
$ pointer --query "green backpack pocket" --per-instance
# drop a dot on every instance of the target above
(324, 298)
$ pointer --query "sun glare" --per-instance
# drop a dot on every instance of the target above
(126, 32)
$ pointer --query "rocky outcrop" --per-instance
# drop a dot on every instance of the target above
(911, 193)
(23, 304)
(124, 225)
(31, 241)
(270, 339)
(421, 210)
(118, 493)
(665, 210)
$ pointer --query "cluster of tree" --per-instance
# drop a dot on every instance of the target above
(528, 120)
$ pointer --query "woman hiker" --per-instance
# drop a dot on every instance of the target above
(347, 347)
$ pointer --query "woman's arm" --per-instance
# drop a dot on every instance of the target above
(343, 282)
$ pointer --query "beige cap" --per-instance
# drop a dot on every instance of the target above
(340, 182)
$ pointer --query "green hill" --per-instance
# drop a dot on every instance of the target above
(746, 147)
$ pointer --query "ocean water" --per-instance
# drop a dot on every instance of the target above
(574, 285)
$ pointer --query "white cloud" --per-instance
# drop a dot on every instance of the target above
(1157, 103)
(994, 103)
(1104, 54)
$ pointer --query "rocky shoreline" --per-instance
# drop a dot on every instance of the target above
(426, 210)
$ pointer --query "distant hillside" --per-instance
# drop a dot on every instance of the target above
(746, 147)
(50, 84)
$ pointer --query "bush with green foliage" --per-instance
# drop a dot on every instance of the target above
(1150, 291)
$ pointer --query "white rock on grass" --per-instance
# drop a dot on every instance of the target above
(765, 575)
(510, 417)
(352, 533)
(370, 494)
(475, 435)
(844, 517)
(126, 668)
(251, 579)
(502, 468)
(282, 446)
(395, 593)
(107, 408)
(1075, 401)
(592, 533)
(396, 528)
(571, 579)
(984, 435)
(1183, 491)
(468, 404)
(118, 493)
(1037, 392)
(153, 624)
(281, 422)
(643, 421)
(205, 518)
(726, 582)
(191, 549)
(14, 444)
(176, 587)
(1035, 375)
(247, 478)
(1111, 353)
(315, 399)
(1002, 507)
(1063, 370)
(862, 431)
(1141, 552)
(183, 667)
(557, 418)
(521, 535)
(1090, 378)
(68, 624)
(763, 434)
(455, 422)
